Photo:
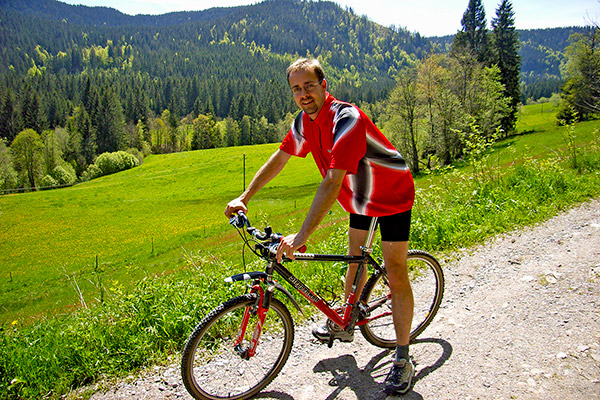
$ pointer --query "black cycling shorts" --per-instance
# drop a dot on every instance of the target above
(394, 228)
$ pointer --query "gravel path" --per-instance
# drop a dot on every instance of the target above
(520, 320)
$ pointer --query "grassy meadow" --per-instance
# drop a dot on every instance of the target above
(117, 229)
(110, 276)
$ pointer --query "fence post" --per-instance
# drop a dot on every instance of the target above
(244, 170)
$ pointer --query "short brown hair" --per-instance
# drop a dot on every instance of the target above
(306, 64)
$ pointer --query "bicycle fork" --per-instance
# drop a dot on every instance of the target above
(260, 311)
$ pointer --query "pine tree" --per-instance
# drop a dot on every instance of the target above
(505, 43)
(110, 122)
(30, 109)
(82, 139)
(473, 37)
(8, 128)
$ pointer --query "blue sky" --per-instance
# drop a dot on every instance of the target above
(428, 17)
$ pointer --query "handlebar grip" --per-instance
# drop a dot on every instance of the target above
(239, 219)
(273, 248)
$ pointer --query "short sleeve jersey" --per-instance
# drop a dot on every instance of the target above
(378, 181)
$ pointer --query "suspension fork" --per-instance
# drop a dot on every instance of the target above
(260, 309)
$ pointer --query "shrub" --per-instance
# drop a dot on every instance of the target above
(49, 181)
(110, 163)
(91, 172)
(137, 154)
(64, 175)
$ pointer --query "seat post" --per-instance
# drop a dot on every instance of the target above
(368, 247)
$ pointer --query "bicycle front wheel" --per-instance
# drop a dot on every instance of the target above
(427, 282)
(214, 366)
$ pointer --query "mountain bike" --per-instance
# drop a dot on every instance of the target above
(241, 345)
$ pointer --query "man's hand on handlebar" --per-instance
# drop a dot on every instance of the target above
(278, 245)
(288, 245)
(234, 206)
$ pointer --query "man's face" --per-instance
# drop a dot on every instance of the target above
(308, 92)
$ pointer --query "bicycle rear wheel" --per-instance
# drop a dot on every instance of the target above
(213, 368)
(427, 281)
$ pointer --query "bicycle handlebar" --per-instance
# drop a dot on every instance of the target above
(240, 220)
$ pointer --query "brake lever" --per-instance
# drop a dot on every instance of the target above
(239, 220)
(274, 245)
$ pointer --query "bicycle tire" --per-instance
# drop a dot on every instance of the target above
(427, 281)
(210, 367)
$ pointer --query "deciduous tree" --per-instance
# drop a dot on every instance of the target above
(581, 93)
(8, 175)
(404, 109)
(27, 156)
(206, 133)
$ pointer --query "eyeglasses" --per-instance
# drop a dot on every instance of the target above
(308, 87)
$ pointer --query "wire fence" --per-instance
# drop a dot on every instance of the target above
(35, 189)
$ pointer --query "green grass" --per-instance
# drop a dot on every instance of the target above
(134, 223)
(164, 246)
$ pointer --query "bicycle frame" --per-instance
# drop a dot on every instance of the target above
(347, 321)
(317, 300)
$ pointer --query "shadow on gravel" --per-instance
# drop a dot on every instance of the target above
(347, 374)
(445, 356)
(273, 395)
(367, 382)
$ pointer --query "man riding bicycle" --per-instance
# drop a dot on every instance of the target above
(367, 176)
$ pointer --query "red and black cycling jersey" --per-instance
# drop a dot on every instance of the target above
(378, 181)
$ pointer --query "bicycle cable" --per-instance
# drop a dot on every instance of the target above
(246, 243)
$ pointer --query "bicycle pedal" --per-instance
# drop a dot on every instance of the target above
(330, 341)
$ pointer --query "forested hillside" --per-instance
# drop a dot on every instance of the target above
(542, 51)
(91, 80)
(229, 61)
